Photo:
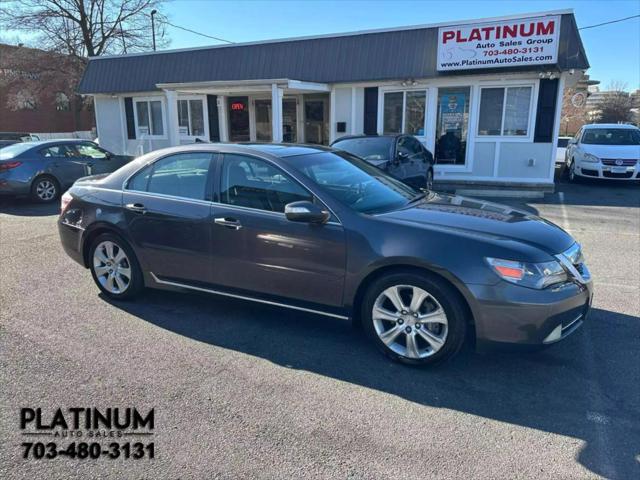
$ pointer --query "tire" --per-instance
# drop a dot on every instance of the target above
(45, 189)
(571, 172)
(441, 299)
(117, 277)
(430, 179)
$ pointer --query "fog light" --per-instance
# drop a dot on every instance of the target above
(554, 336)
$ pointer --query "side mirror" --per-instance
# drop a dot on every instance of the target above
(306, 212)
(573, 141)
(402, 157)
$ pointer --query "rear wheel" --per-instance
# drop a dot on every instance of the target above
(414, 319)
(45, 189)
(115, 268)
(430, 179)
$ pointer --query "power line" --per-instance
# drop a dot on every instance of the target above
(193, 31)
(612, 21)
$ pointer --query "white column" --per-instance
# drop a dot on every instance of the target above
(332, 115)
(353, 129)
(172, 117)
(276, 113)
(223, 127)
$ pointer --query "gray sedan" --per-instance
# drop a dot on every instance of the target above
(45, 169)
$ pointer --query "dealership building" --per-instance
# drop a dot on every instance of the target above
(483, 95)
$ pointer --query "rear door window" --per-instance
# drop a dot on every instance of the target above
(182, 175)
(58, 151)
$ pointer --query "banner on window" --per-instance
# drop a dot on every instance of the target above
(451, 112)
(507, 43)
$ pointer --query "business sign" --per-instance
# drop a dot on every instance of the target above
(508, 43)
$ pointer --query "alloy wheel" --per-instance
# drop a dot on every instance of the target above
(572, 171)
(410, 321)
(112, 267)
(46, 190)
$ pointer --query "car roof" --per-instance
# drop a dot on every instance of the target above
(388, 135)
(609, 125)
(56, 141)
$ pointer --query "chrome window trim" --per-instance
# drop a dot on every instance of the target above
(216, 157)
(243, 297)
(169, 197)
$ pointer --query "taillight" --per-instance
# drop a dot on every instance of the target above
(9, 165)
(65, 200)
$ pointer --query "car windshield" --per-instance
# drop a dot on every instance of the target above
(14, 150)
(369, 148)
(354, 182)
(611, 136)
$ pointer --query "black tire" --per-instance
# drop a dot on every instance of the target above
(571, 175)
(45, 189)
(430, 179)
(442, 292)
(136, 282)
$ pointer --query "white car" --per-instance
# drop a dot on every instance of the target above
(561, 151)
(605, 150)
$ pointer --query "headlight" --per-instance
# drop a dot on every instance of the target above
(532, 275)
(588, 158)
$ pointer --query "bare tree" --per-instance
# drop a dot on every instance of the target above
(85, 27)
(616, 105)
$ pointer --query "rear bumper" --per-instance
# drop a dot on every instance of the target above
(508, 314)
(13, 186)
(71, 239)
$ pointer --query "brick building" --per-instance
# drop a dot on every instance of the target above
(38, 92)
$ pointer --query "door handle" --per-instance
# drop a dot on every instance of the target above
(136, 207)
(231, 223)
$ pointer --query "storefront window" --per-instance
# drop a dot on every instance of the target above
(263, 120)
(505, 111)
(452, 125)
(404, 112)
(393, 112)
(238, 108)
(191, 118)
(149, 117)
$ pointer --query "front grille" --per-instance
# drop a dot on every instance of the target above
(617, 175)
(625, 162)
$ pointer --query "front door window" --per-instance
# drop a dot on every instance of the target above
(316, 116)
(289, 120)
(452, 126)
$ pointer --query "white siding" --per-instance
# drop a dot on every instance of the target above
(109, 124)
(343, 111)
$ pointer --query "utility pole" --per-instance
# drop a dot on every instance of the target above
(153, 28)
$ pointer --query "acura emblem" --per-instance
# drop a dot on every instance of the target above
(619, 162)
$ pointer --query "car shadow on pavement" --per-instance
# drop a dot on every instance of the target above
(582, 388)
(24, 207)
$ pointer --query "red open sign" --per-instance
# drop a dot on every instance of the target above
(237, 106)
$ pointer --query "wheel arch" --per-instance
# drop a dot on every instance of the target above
(455, 284)
(91, 233)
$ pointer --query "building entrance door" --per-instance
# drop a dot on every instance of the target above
(238, 110)
(316, 119)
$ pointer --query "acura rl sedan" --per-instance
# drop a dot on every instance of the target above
(318, 230)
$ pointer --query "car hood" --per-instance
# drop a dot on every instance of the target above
(468, 215)
(613, 151)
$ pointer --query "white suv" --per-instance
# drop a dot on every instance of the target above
(605, 150)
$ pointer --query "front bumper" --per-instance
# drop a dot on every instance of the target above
(610, 172)
(510, 314)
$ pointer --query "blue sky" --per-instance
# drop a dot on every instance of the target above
(613, 50)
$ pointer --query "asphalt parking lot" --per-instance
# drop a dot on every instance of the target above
(242, 391)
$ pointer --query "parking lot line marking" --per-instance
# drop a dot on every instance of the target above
(563, 211)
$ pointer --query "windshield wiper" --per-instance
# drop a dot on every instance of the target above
(418, 197)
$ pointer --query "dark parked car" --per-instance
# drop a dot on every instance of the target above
(9, 138)
(45, 169)
(322, 231)
(401, 156)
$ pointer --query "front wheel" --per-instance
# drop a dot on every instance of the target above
(414, 319)
(115, 268)
(430, 180)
